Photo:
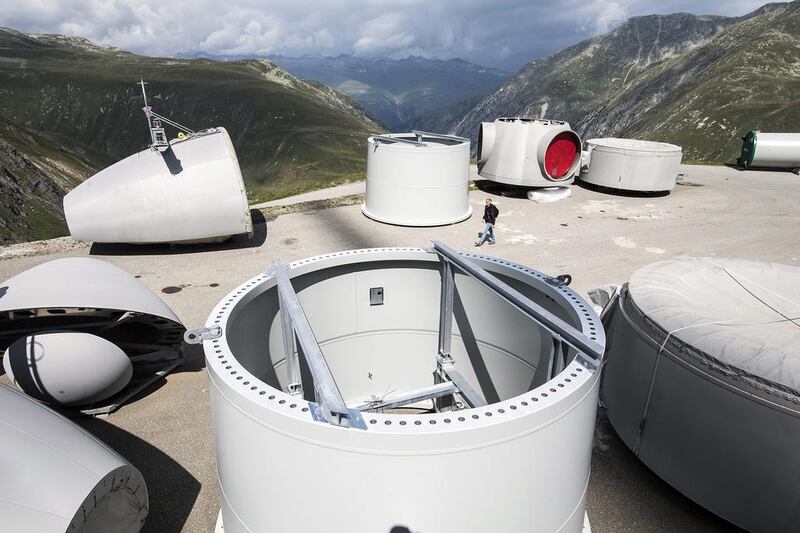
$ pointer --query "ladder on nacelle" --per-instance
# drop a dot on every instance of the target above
(158, 134)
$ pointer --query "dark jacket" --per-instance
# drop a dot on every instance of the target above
(490, 213)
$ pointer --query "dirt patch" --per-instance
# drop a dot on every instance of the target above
(61, 245)
(271, 213)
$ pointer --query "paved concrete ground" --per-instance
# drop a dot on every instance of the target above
(597, 237)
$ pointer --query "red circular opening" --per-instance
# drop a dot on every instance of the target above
(560, 155)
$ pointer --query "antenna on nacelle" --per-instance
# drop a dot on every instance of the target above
(157, 134)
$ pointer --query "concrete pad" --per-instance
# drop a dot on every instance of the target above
(598, 237)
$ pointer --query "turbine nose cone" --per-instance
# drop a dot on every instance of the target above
(191, 192)
(80, 210)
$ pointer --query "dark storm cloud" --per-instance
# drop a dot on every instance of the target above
(499, 33)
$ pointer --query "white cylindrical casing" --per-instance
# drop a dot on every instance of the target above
(771, 150)
(702, 382)
(515, 152)
(632, 165)
(519, 464)
(57, 477)
(67, 367)
(486, 135)
(192, 192)
(425, 184)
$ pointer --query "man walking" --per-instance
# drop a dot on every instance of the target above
(490, 214)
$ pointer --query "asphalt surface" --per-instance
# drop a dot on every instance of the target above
(596, 236)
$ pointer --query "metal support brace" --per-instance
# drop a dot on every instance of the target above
(561, 330)
(388, 139)
(294, 382)
(331, 408)
(445, 366)
(446, 371)
(418, 395)
(446, 310)
(420, 134)
(558, 361)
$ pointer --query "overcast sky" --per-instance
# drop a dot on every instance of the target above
(499, 33)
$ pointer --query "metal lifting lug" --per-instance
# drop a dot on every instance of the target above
(197, 336)
(560, 280)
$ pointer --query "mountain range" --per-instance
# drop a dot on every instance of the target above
(68, 108)
(697, 81)
(399, 92)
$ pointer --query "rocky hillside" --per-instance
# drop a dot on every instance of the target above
(35, 172)
(697, 81)
(68, 108)
(399, 92)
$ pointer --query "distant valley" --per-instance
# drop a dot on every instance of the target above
(401, 93)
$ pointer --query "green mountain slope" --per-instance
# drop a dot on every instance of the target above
(747, 78)
(697, 81)
(71, 108)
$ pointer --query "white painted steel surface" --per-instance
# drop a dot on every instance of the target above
(81, 282)
(546, 195)
(56, 477)
(519, 464)
(417, 185)
(776, 150)
(67, 368)
(81, 293)
(632, 165)
(192, 192)
(701, 382)
(512, 151)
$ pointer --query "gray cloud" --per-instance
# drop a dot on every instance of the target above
(501, 33)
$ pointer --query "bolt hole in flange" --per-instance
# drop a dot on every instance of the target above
(380, 354)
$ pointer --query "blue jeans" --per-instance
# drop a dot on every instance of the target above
(488, 233)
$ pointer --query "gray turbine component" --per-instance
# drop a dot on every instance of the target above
(528, 152)
(702, 382)
(775, 150)
(58, 478)
(632, 165)
(190, 193)
(67, 368)
(376, 315)
(417, 179)
(89, 295)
